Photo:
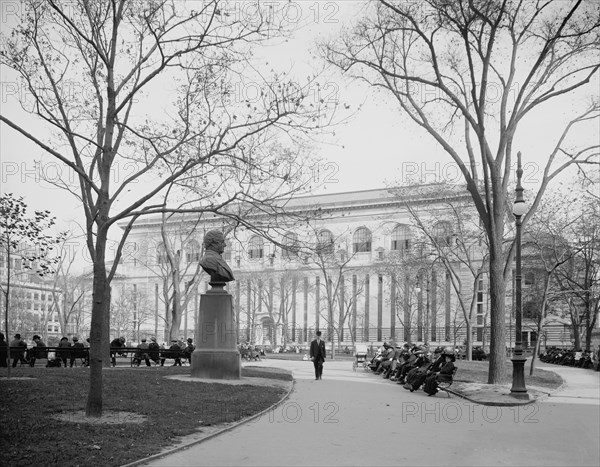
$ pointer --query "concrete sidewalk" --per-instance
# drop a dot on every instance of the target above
(357, 418)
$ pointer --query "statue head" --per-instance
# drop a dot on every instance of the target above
(214, 264)
(214, 240)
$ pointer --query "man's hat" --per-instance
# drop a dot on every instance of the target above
(153, 339)
(17, 336)
(36, 337)
(75, 339)
(190, 339)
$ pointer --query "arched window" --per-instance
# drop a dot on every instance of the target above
(442, 233)
(256, 249)
(290, 245)
(325, 242)
(161, 254)
(400, 238)
(362, 240)
(192, 251)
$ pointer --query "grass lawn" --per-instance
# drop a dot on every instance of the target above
(477, 372)
(29, 435)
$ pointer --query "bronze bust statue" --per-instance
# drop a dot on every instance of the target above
(212, 261)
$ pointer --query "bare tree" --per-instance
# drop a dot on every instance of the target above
(455, 238)
(578, 221)
(176, 260)
(251, 304)
(481, 68)
(25, 247)
(287, 285)
(332, 256)
(68, 288)
(402, 266)
(348, 300)
(155, 99)
(546, 250)
(122, 312)
(276, 294)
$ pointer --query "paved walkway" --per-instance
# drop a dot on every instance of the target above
(357, 418)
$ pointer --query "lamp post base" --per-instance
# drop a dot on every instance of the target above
(518, 389)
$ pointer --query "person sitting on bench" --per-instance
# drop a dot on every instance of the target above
(189, 350)
(115, 345)
(174, 352)
(38, 351)
(154, 350)
(142, 352)
(445, 374)
(78, 351)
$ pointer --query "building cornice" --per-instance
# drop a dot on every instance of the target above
(322, 204)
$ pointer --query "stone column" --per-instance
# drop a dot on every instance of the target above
(216, 355)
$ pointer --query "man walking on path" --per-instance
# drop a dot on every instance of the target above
(317, 354)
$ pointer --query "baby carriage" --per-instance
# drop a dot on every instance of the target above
(360, 356)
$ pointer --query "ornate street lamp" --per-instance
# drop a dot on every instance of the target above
(518, 389)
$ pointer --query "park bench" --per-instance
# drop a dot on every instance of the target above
(81, 354)
(445, 385)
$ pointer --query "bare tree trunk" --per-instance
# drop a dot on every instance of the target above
(176, 309)
(497, 316)
(6, 303)
(536, 350)
(576, 336)
(99, 340)
(589, 326)
(468, 350)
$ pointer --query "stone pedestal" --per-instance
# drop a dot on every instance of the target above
(216, 355)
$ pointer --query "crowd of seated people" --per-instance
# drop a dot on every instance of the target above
(67, 354)
(571, 357)
(414, 366)
(250, 352)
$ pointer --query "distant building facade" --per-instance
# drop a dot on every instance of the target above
(354, 285)
(32, 300)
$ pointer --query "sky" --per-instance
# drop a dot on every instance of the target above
(376, 147)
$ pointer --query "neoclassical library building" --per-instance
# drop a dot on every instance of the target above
(364, 269)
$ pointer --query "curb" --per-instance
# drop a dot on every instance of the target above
(543, 396)
(225, 429)
(492, 403)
